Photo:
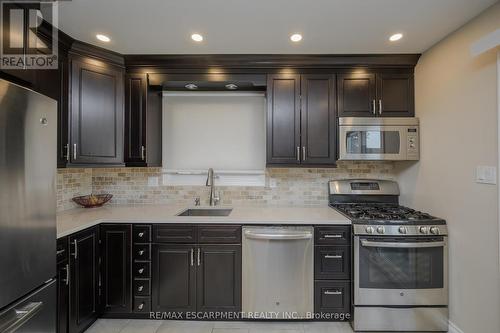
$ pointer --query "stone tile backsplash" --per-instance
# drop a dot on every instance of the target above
(290, 186)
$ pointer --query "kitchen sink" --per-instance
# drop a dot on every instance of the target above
(206, 212)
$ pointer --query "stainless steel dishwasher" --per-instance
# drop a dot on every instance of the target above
(278, 272)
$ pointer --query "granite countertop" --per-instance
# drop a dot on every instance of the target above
(77, 219)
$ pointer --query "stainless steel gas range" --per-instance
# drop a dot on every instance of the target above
(400, 259)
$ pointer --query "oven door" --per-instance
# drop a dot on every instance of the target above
(361, 142)
(400, 271)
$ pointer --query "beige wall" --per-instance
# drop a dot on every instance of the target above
(456, 101)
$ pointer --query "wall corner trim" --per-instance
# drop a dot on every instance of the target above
(486, 43)
(452, 328)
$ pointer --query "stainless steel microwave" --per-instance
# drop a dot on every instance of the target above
(388, 139)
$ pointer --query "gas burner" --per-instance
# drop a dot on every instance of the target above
(383, 213)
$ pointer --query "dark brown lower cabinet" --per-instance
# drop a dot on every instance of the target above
(333, 298)
(62, 296)
(84, 279)
(218, 278)
(116, 253)
(174, 278)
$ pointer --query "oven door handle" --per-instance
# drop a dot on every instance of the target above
(368, 243)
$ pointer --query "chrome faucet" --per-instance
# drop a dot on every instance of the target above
(213, 199)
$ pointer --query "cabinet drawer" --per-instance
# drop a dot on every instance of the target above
(62, 249)
(142, 304)
(142, 252)
(335, 235)
(174, 233)
(333, 297)
(227, 234)
(142, 233)
(141, 270)
(142, 287)
(332, 262)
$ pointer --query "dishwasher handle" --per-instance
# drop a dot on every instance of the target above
(278, 236)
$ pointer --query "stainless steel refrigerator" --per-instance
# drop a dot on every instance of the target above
(28, 127)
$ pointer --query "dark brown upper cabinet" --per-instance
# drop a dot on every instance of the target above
(301, 120)
(396, 95)
(97, 113)
(318, 121)
(283, 119)
(356, 95)
(142, 122)
(376, 95)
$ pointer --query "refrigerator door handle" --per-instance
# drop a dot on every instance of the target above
(18, 317)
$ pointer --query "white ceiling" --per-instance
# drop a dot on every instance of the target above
(264, 26)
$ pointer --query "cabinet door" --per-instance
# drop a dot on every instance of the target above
(62, 297)
(395, 95)
(84, 283)
(174, 282)
(283, 119)
(218, 286)
(318, 119)
(135, 119)
(96, 113)
(116, 253)
(356, 95)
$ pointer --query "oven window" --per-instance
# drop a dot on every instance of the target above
(400, 268)
(373, 142)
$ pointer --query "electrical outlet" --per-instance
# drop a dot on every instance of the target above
(486, 175)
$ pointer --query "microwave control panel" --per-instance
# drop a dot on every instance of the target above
(412, 145)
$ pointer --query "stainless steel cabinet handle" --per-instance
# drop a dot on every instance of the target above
(141, 234)
(143, 153)
(16, 318)
(141, 252)
(332, 236)
(192, 257)
(67, 152)
(60, 251)
(298, 154)
(336, 292)
(199, 257)
(140, 288)
(336, 256)
(379, 106)
(374, 111)
(75, 254)
(141, 306)
(66, 280)
(303, 153)
(141, 271)
(74, 151)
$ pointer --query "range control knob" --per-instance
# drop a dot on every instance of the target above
(434, 230)
(402, 230)
(423, 230)
(380, 230)
(369, 230)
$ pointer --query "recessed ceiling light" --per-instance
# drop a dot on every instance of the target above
(197, 37)
(103, 38)
(296, 38)
(396, 37)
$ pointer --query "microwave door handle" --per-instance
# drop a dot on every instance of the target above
(367, 243)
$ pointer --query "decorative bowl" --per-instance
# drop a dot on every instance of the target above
(93, 200)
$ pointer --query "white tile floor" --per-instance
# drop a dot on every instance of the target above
(174, 326)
